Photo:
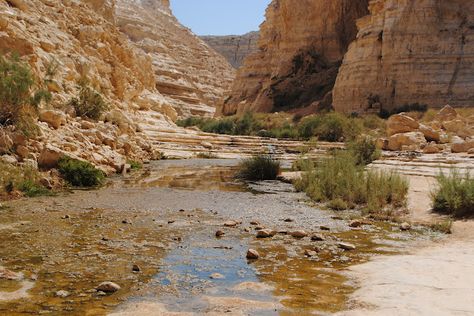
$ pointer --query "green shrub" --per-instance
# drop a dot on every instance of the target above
(339, 177)
(455, 195)
(19, 93)
(259, 168)
(89, 103)
(80, 173)
(338, 205)
(31, 188)
(364, 151)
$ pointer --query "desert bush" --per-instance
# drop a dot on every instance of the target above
(364, 151)
(80, 173)
(341, 178)
(259, 168)
(89, 103)
(455, 195)
(20, 95)
(25, 179)
(135, 164)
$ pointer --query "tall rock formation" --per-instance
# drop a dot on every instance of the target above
(410, 51)
(301, 46)
(190, 76)
(235, 48)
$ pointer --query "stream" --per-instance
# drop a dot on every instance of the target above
(163, 219)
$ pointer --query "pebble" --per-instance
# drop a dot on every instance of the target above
(355, 223)
(136, 268)
(230, 224)
(317, 237)
(299, 234)
(126, 221)
(259, 228)
(217, 276)
(66, 216)
(310, 253)
(252, 254)
(62, 293)
(265, 233)
(219, 233)
(171, 221)
(289, 220)
(405, 226)
(255, 223)
(346, 246)
(322, 227)
(108, 287)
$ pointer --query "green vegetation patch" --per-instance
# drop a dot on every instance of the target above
(455, 195)
(80, 173)
(24, 179)
(259, 168)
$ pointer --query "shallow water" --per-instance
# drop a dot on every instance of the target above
(164, 219)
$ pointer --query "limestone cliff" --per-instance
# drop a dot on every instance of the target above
(81, 39)
(191, 76)
(301, 45)
(410, 51)
(235, 48)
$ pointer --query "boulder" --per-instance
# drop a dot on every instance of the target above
(446, 114)
(454, 126)
(49, 157)
(429, 133)
(22, 151)
(431, 148)
(9, 159)
(266, 233)
(299, 234)
(54, 118)
(461, 146)
(401, 123)
(412, 140)
(346, 246)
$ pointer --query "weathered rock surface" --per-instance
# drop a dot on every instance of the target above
(190, 76)
(301, 46)
(407, 52)
(235, 48)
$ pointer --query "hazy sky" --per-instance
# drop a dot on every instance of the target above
(220, 17)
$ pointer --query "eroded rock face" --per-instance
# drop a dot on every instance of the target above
(191, 77)
(409, 51)
(235, 48)
(302, 43)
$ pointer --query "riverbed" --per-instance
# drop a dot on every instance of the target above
(164, 219)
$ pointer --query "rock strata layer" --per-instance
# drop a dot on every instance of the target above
(235, 48)
(409, 51)
(301, 45)
(190, 76)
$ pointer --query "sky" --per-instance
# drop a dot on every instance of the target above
(220, 17)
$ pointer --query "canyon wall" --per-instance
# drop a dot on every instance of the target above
(301, 45)
(190, 76)
(409, 51)
(235, 48)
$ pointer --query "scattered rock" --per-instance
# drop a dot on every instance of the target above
(252, 254)
(289, 220)
(346, 246)
(231, 223)
(310, 253)
(405, 226)
(299, 234)
(254, 223)
(265, 233)
(355, 223)
(136, 268)
(54, 118)
(401, 123)
(317, 237)
(9, 159)
(217, 276)
(66, 216)
(108, 287)
(62, 293)
(322, 227)
(220, 233)
(259, 227)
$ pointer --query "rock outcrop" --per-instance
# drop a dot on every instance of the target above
(235, 48)
(409, 51)
(191, 77)
(301, 46)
